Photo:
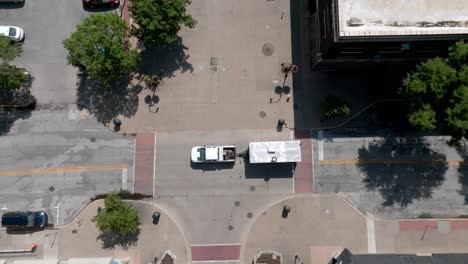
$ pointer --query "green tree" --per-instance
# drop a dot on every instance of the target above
(117, 216)
(333, 106)
(159, 21)
(99, 44)
(11, 77)
(438, 93)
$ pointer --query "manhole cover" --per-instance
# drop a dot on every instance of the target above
(262, 114)
(230, 227)
(51, 188)
(266, 179)
(236, 203)
(268, 49)
(249, 215)
(252, 188)
(92, 139)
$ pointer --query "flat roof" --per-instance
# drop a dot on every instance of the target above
(402, 17)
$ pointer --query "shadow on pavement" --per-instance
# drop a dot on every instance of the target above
(112, 239)
(212, 166)
(106, 104)
(463, 171)
(18, 104)
(398, 182)
(11, 5)
(164, 61)
(268, 171)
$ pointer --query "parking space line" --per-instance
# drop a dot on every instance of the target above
(404, 162)
(320, 144)
(312, 158)
(61, 170)
(154, 166)
(371, 246)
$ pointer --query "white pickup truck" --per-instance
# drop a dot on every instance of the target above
(211, 154)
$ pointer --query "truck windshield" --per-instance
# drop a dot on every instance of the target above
(202, 154)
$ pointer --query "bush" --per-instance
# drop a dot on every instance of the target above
(117, 216)
(333, 106)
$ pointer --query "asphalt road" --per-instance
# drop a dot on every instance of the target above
(223, 199)
(46, 24)
(61, 157)
(399, 179)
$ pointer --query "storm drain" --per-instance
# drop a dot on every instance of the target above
(214, 64)
(268, 49)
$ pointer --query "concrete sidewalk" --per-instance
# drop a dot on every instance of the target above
(80, 237)
(320, 226)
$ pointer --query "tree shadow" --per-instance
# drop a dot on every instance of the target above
(462, 150)
(106, 104)
(16, 104)
(165, 60)
(402, 169)
(112, 239)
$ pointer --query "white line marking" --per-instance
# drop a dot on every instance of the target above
(371, 246)
(58, 213)
(154, 166)
(312, 157)
(209, 245)
(124, 178)
(320, 144)
(134, 158)
(293, 177)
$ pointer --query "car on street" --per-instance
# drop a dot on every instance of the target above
(100, 3)
(15, 33)
(37, 219)
(17, 2)
(201, 154)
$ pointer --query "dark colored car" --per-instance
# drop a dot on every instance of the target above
(25, 219)
(101, 3)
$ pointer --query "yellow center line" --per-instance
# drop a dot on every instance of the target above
(403, 162)
(63, 169)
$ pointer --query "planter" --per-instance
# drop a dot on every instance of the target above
(268, 257)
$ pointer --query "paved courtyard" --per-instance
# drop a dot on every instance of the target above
(217, 76)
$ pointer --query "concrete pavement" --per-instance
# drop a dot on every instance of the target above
(222, 74)
(61, 158)
(320, 226)
(391, 177)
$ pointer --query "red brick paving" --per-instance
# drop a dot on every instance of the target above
(303, 178)
(459, 224)
(418, 225)
(144, 162)
(215, 252)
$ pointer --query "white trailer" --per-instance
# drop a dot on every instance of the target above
(275, 151)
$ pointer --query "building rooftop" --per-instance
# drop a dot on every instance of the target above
(402, 17)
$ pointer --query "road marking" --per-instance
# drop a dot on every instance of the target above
(124, 178)
(154, 165)
(385, 161)
(320, 144)
(371, 246)
(134, 158)
(312, 159)
(61, 170)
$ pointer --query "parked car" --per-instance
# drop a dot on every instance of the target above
(37, 219)
(100, 3)
(15, 33)
(12, 1)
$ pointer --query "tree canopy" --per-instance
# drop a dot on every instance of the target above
(11, 77)
(99, 44)
(159, 21)
(438, 93)
(117, 216)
